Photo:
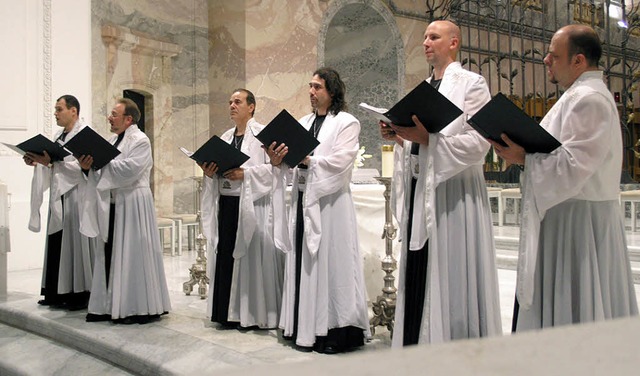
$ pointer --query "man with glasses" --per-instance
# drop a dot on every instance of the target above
(131, 287)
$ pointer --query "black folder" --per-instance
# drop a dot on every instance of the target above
(37, 145)
(433, 109)
(220, 152)
(284, 128)
(89, 142)
(500, 115)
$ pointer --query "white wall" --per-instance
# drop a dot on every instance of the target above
(50, 55)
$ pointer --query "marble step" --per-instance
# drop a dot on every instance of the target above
(507, 255)
(46, 357)
(134, 348)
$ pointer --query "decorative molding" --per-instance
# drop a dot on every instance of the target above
(46, 68)
(529, 4)
(125, 39)
(587, 12)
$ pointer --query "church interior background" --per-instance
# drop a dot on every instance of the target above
(181, 59)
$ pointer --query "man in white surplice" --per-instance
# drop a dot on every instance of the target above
(573, 264)
(448, 285)
(245, 268)
(129, 286)
(324, 305)
(67, 274)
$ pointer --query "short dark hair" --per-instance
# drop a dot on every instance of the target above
(335, 87)
(585, 41)
(71, 101)
(251, 99)
(130, 109)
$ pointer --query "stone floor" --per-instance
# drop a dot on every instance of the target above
(36, 340)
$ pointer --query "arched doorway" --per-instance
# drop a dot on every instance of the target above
(361, 40)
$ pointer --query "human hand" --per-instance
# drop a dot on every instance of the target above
(86, 161)
(209, 168)
(389, 134)
(512, 153)
(234, 174)
(34, 158)
(417, 134)
(276, 153)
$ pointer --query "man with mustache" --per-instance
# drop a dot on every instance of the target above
(130, 285)
(244, 266)
(324, 306)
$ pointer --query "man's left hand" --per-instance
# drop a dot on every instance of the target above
(234, 174)
(512, 153)
(43, 159)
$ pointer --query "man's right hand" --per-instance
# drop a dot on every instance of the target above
(389, 134)
(86, 161)
(209, 169)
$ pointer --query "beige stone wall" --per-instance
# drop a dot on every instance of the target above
(268, 47)
(158, 49)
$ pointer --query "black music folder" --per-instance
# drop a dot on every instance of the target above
(38, 144)
(500, 115)
(220, 152)
(89, 142)
(284, 128)
(433, 109)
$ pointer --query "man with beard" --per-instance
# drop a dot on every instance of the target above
(573, 265)
(324, 305)
(121, 211)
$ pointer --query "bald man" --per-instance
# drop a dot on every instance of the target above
(573, 264)
(448, 284)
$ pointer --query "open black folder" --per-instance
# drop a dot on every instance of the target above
(500, 115)
(433, 109)
(38, 144)
(284, 128)
(89, 142)
(220, 152)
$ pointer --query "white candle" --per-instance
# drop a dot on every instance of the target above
(387, 161)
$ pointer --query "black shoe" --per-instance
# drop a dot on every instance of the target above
(145, 319)
(45, 302)
(228, 325)
(125, 321)
(304, 348)
(330, 350)
(92, 317)
(247, 328)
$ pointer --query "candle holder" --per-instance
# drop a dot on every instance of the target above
(198, 271)
(384, 307)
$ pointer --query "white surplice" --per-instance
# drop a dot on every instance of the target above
(137, 282)
(332, 289)
(65, 182)
(573, 264)
(452, 212)
(256, 289)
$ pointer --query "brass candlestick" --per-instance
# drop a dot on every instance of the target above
(198, 271)
(384, 307)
